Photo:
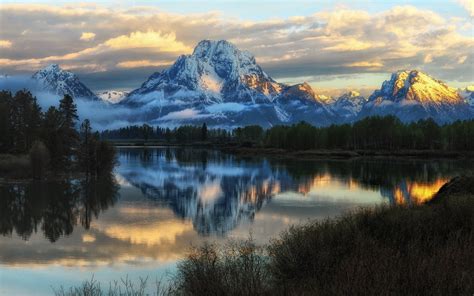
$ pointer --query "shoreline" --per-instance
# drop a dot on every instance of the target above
(239, 150)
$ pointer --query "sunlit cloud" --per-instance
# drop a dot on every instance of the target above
(366, 64)
(468, 5)
(327, 42)
(5, 44)
(143, 63)
(150, 39)
(87, 36)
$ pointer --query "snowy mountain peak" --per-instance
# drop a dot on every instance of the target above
(414, 95)
(417, 86)
(58, 81)
(217, 71)
(112, 96)
(348, 105)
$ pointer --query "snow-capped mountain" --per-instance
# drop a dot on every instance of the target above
(61, 82)
(216, 72)
(347, 106)
(414, 95)
(112, 96)
(222, 85)
(468, 95)
(300, 103)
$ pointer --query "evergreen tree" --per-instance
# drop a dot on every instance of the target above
(69, 117)
(204, 132)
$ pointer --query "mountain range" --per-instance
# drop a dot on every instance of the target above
(225, 87)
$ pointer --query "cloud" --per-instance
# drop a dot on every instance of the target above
(183, 114)
(5, 43)
(87, 36)
(329, 42)
(468, 5)
(143, 63)
(150, 39)
(366, 64)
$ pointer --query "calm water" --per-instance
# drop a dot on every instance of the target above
(161, 201)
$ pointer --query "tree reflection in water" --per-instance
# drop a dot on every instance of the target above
(217, 191)
(54, 207)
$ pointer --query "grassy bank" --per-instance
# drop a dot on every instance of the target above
(387, 250)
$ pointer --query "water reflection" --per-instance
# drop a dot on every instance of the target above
(53, 207)
(162, 200)
(217, 192)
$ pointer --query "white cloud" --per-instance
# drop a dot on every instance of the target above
(468, 5)
(183, 114)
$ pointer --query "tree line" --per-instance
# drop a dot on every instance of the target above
(372, 133)
(51, 138)
(182, 134)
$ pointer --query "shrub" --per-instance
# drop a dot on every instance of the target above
(239, 268)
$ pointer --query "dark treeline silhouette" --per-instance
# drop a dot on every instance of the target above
(182, 134)
(372, 133)
(51, 137)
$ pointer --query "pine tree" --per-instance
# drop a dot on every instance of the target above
(204, 132)
(68, 111)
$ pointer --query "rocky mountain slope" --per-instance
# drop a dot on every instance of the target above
(60, 82)
(112, 96)
(222, 85)
(414, 95)
(348, 106)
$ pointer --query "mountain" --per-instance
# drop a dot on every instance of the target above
(414, 95)
(223, 86)
(348, 105)
(61, 82)
(300, 103)
(112, 96)
(468, 95)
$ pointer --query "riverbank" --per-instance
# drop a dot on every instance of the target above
(403, 250)
(249, 150)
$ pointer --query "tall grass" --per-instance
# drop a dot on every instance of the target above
(124, 287)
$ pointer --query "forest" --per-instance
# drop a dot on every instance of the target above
(36, 144)
(372, 133)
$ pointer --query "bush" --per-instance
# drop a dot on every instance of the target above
(421, 250)
(237, 269)
(39, 160)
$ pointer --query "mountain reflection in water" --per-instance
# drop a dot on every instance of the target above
(215, 192)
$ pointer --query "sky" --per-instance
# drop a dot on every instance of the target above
(335, 46)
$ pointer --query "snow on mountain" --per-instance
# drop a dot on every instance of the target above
(224, 86)
(348, 105)
(216, 72)
(61, 82)
(300, 103)
(468, 95)
(414, 95)
(112, 96)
